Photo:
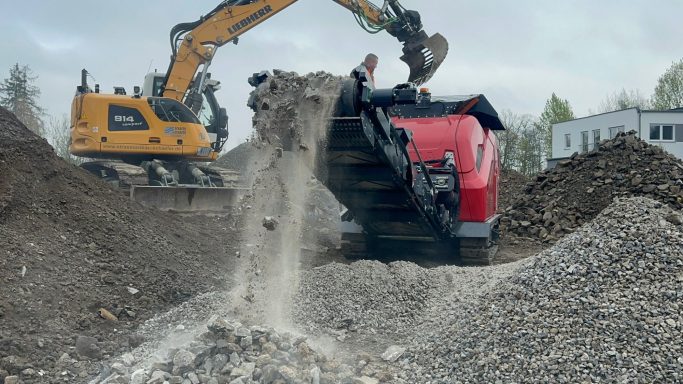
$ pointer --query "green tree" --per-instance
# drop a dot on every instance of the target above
(512, 154)
(669, 90)
(19, 94)
(623, 100)
(556, 111)
(532, 147)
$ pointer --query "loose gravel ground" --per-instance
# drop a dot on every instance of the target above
(602, 305)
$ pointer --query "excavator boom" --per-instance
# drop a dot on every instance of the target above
(152, 143)
(194, 44)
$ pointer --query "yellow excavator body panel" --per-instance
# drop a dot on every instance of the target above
(117, 126)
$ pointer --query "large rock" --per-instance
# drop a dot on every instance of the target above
(183, 361)
(87, 347)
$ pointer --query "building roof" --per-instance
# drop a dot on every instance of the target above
(599, 114)
(675, 110)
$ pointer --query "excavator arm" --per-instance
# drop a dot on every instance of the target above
(194, 44)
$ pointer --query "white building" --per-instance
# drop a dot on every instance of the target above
(663, 128)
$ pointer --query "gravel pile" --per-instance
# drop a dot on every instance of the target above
(368, 296)
(370, 306)
(560, 200)
(602, 305)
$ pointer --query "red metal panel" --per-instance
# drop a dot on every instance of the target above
(463, 135)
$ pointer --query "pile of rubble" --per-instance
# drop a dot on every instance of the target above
(511, 186)
(560, 200)
(602, 305)
(229, 352)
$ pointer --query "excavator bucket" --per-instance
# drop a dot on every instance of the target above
(186, 198)
(424, 57)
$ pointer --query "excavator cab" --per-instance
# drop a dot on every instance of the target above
(213, 117)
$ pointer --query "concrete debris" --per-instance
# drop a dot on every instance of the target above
(270, 223)
(132, 290)
(269, 357)
(559, 201)
(393, 353)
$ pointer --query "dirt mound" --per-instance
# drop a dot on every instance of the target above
(238, 158)
(560, 200)
(70, 245)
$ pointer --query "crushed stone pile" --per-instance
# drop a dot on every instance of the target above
(239, 158)
(229, 352)
(368, 296)
(602, 305)
(371, 308)
(560, 200)
(70, 246)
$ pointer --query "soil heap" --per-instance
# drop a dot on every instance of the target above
(560, 200)
(71, 245)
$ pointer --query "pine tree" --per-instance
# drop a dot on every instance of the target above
(19, 95)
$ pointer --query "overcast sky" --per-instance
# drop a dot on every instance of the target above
(515, 52)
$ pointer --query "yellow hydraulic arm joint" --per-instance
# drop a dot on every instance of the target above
(199, 44)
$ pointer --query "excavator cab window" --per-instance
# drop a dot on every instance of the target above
(171, 110)
(207, 114)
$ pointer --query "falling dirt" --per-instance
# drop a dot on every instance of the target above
(292, 113)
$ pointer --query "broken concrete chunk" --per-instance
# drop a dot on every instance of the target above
(393, 353)
(270, 223)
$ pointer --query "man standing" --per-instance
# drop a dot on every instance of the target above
(369, 64)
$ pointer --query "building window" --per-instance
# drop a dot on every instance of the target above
(584, 141)
(596, 137)
(567, 140)
(614, 131)
(661, 132)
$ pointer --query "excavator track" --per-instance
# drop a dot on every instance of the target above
(121, 175)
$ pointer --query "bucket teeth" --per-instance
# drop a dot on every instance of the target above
(425, 57)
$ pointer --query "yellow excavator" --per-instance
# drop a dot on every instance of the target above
(157, 142)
